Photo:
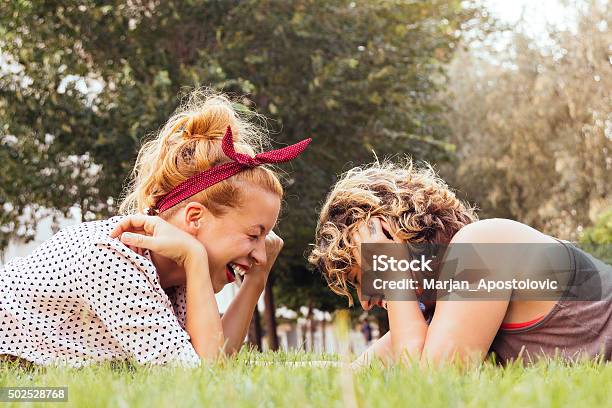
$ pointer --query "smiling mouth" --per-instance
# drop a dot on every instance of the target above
(235, 273)
(229, 274)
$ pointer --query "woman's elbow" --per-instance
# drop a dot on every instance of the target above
(210, 351)
(450, 353)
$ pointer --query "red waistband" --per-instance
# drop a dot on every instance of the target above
(510, 326)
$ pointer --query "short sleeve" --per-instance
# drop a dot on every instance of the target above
(123, 290)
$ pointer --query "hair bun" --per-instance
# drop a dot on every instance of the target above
(210, 122)
(189, 142)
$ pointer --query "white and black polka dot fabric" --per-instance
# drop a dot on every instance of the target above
(83, 297)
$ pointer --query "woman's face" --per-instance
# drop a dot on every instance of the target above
(237, 238)
(354, 276)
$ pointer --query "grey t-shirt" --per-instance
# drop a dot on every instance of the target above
(573, 329)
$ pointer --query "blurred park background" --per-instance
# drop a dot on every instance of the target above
(511, 101)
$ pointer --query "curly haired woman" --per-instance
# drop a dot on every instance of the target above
(400, 203)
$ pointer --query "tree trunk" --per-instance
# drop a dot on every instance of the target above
(304, 334)
(323, 338)
(313, 332)
(309, 324)
(254, 336)
(270, 315)
(82, 206)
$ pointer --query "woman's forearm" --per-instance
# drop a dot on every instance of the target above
(381, 349)
(405, 338)
(408, 329)
(237, 317)
(202, 323)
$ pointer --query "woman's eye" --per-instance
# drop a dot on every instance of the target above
(254, 237)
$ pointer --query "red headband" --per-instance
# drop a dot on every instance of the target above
(213, 175)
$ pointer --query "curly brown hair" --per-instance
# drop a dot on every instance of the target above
(417, 204)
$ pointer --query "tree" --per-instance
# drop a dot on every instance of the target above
(374, 68)
(270, 314)
(601, 231)
(52, 128)
(597, 240)
(356, 76)
(531, 123)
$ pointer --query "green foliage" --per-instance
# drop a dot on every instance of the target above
(356, 76)
(601, 231)
(597, 240)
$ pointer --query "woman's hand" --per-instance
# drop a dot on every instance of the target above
(237, 317)
(159, 236)
(259, 273)
(375, 231)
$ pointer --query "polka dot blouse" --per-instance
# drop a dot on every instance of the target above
(83, 297)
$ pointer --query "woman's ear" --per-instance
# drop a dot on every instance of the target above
(386, 227)
(195, 216)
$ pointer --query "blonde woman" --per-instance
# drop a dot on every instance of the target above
(400, 203)
(211, 203)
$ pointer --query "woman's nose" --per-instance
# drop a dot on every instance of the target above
(259, 253)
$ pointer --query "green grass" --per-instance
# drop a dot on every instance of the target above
(268, 379)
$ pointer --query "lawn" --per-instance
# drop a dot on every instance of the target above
(285, 379)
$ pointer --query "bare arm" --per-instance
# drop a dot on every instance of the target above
(408, 329)
(381, 349)
(466, 329)
(238, 315)
(202, 321)
(461, 330)
(407, 335)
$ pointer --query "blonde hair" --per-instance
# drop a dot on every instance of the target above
(417, 204)
(189, 143)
